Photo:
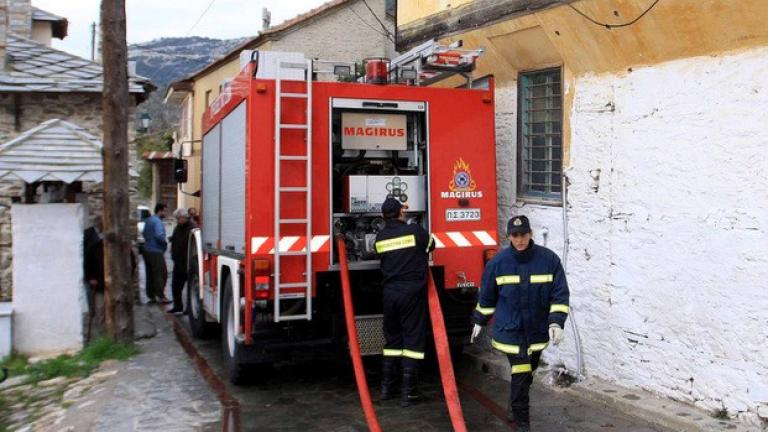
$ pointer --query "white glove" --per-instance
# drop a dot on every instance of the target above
(475, 332)
(555, 334)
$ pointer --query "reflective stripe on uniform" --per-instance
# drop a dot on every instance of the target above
(523, 368)
(396, 243)
(541, 278)
(431, 242)
(392, 352)
(537, 347)
(559, 308)
(505, 348)
(508, 279)
(413, 354)
(485, 310)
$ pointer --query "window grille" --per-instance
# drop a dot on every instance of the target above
(540, 149)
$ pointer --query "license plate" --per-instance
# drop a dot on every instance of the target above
(460, 215)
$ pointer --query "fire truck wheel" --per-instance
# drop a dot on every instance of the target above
(200, 327)
(229, 344)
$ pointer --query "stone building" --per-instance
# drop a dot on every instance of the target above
(338, 30)
(38, 84)
(656, 113)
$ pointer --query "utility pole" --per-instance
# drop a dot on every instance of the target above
(118, 297)
(93, 41)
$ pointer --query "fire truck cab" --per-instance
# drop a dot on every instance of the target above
(290, 161)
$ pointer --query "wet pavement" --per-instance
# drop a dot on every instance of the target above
(320, 395)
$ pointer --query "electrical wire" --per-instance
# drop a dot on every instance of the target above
(376, 30)
(376, 17)
(612, 26)
(200, 17)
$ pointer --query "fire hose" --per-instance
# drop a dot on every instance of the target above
(441, 347)
(354, 343)
(444, 357)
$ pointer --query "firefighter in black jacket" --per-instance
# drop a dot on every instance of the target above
(403, 250)
(524, 286)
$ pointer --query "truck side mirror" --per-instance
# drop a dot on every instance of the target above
(180, 170)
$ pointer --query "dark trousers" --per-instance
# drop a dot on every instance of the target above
(157, 274)
(405, 325)
(177, 284)
(523, 366)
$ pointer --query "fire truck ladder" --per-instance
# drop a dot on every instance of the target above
(292, 192)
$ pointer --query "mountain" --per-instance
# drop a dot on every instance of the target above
(169, 59)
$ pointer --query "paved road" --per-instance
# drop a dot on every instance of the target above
(320, 395)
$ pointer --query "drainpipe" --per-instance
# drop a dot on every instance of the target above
(566, 244)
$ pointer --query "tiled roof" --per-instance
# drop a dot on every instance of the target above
(41, 15)
(34, 67)
(55, 150)
(298, 19)
(269, 34)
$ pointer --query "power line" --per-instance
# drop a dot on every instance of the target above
(379, 21)
(376, 30)
(610, 26)
(200, 17)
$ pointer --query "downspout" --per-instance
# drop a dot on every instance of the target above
(566, 244)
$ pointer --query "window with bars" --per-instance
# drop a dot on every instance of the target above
(540, 149)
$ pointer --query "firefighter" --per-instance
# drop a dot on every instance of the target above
(524, 286)
(403, 249)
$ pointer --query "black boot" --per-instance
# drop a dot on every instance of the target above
(411, 393)
(519, 403)
(390, 368)
(521, 417)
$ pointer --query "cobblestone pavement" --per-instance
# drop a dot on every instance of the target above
(320, 395)
(157, 390)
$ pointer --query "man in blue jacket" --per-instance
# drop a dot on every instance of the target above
(155, 245)
(524, 286)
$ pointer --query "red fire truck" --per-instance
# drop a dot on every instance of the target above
(290, 161)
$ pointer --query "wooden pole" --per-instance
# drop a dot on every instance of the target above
(117, 242)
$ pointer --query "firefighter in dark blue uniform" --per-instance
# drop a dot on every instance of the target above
(524, 286)
(403, 249)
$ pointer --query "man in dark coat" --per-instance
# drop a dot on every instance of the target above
(93, 271)
(404, 252)
(179, 246)
(524, 287)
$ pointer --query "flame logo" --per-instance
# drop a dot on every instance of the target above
(462, 178)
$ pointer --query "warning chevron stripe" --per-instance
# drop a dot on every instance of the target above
(321, 243)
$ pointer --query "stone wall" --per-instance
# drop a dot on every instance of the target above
(35, 108)
(348, 33)
(668, 227)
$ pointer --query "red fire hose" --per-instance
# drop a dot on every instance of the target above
(354, 343)
(444, 358)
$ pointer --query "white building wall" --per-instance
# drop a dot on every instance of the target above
(48, 291)
(668, 226)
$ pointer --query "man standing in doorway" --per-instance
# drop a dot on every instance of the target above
(403, 249)
(525, 287)
(155, 245)
(179, 247)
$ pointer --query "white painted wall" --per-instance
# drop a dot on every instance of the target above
(668, 257)
(48, 293)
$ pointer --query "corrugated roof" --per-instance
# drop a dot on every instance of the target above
(56, 150)
(34, 67)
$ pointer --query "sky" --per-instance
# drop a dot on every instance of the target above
(152, 19)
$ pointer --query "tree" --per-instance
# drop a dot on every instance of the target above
(117, 240)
